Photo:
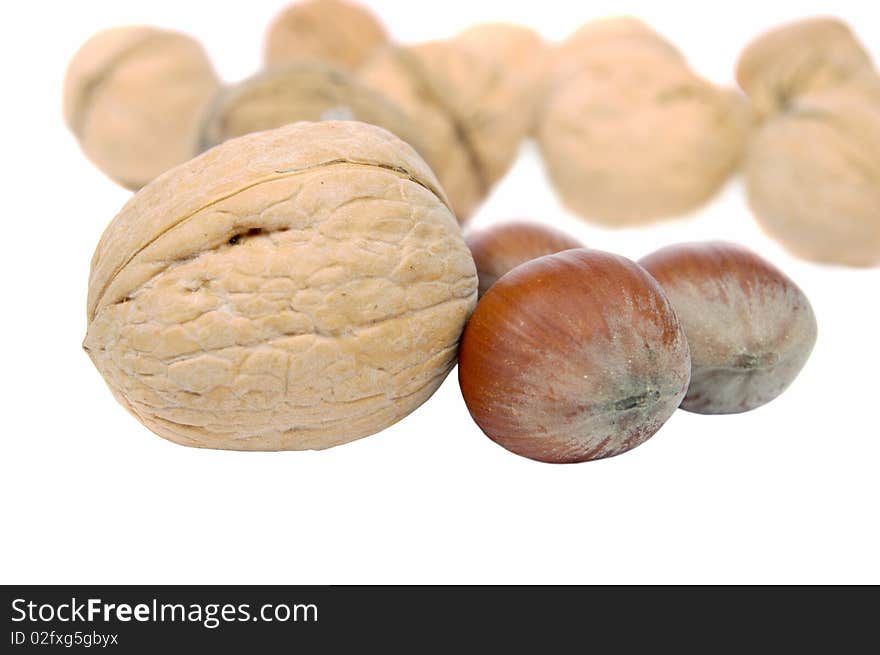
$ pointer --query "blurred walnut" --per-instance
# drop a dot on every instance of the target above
(522, 57)
(461, 103)
(310, 91)
(798, 58)
(813, 175)
(335, 31)
(629, 133)
(134, 97)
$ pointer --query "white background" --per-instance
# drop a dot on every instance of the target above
(787, 493)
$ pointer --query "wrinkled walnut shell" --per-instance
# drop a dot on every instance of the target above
(291, 289)
(813, 177)
(630, 134)
(301, 92)
(334, 31)
(796, 59)
(134, 98)
(460, 102)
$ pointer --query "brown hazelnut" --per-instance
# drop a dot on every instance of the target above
(501, 248)
(749, 327)
(572, 357)
(335, 31)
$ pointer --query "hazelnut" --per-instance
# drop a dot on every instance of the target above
(134, 97)
(572, 357)
(749, 327)
(812, 176)
(460, 101)
(629, 134)
(291, 289)
(310, 91)
(797, 58)
(334, 31)
(503, 247)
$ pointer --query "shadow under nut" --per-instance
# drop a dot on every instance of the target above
(749, 327)
(573, 357)
(287, 290)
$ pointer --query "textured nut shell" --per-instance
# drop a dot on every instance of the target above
(749, 327)
(290, 289)
(301, 92)
(521, 55)
(572, 357)
(634, 136)
(503, 247)
(334, 31)
(459, 100)
(134, 98)
(813, 178)
(803, 57)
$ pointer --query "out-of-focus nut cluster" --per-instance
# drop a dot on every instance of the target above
(629, 132)
(813, 168)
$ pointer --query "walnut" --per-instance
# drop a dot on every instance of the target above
(290, 289)
(335, 31)
(310, 91)
(813, 175)
(461, 103)
(134, 98)
(798, 58)
(630, 134)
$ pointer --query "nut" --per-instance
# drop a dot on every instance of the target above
(334, 31)
(521, 55)
(813, 176)
(134, 97)
(291, 289)
(630, 134)
(460, 102)
(572, 357)
(503, 247)
(749, 327)
(301, 92)
(798, 58)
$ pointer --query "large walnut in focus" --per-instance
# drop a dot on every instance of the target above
(799, 58)
(629, 133)
(310, 91)
(813, 175)
(334, 31)
(291, 289)
(134, 98)
(461, 103)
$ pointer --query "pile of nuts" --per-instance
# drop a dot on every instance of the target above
(291, 273)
